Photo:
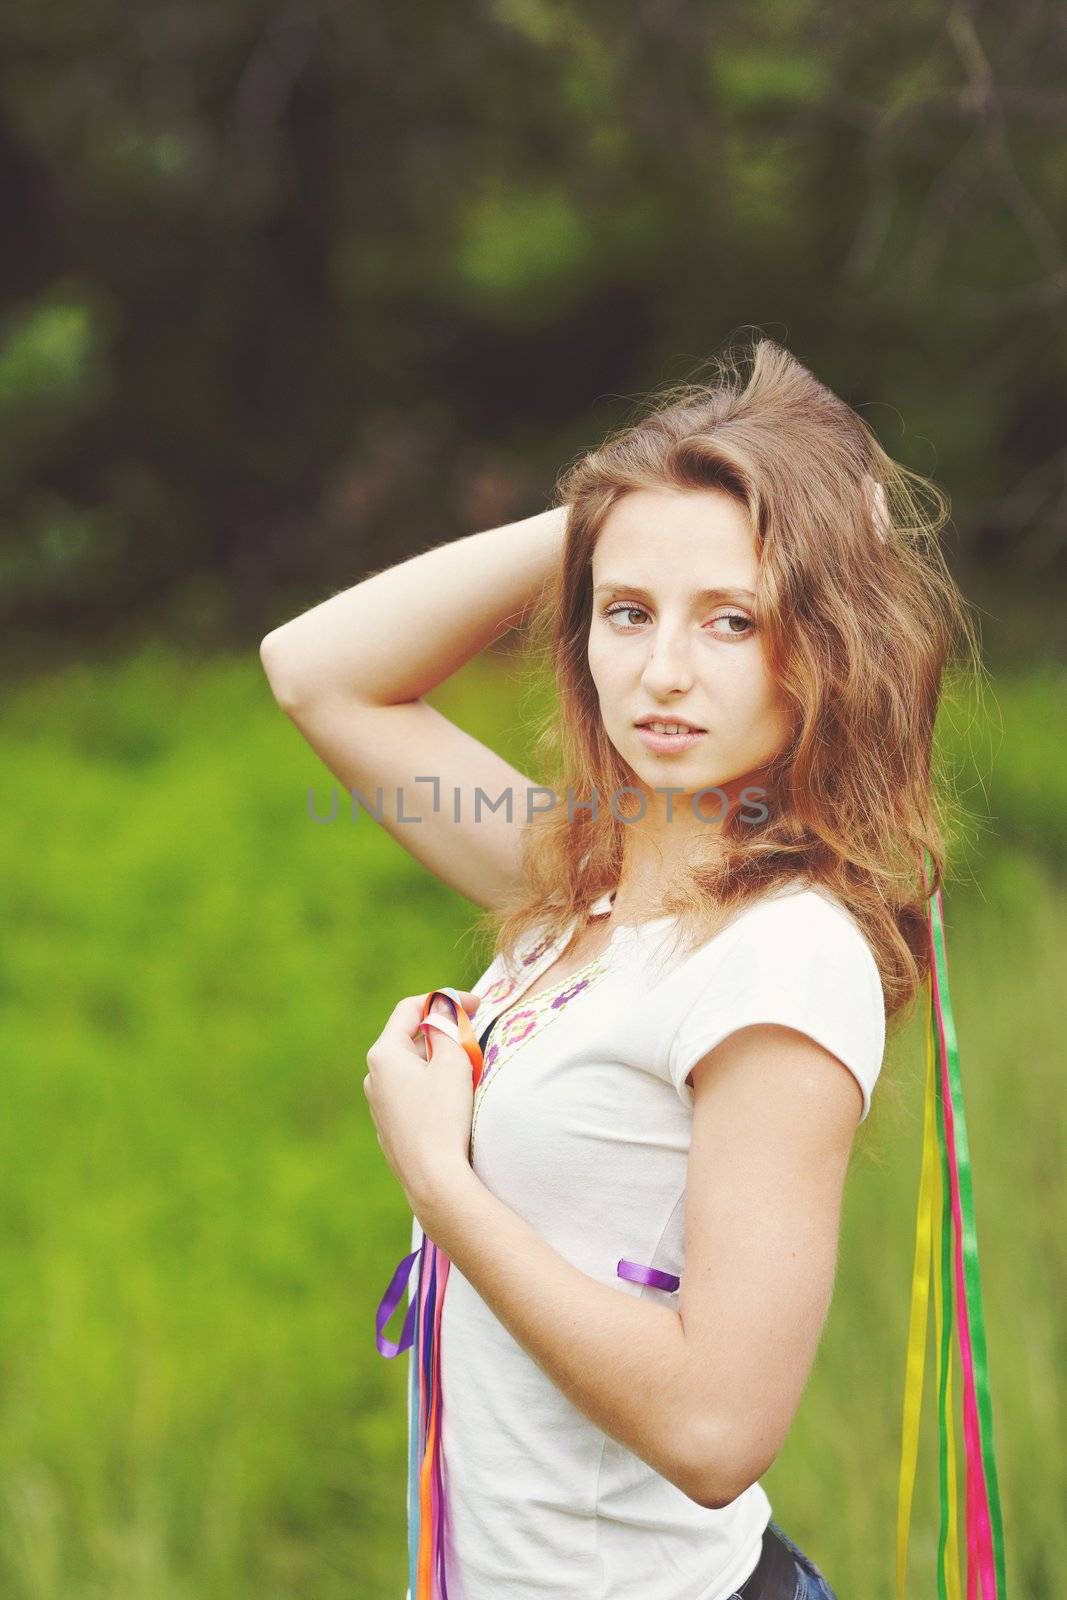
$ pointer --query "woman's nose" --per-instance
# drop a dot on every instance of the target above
(668, 664)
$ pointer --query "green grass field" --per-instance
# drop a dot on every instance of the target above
(198, 1222)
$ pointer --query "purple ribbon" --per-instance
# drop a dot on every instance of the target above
(631, 1270)
(388, 1304)
(650, 1275)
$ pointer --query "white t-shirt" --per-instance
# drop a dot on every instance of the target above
(581, 1125)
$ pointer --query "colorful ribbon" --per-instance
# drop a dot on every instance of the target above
(945, 1233)
(945, 1228)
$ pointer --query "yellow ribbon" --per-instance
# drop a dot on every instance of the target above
(928, 1251)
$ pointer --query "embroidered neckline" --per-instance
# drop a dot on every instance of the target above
(524, 1020)
(551, 992)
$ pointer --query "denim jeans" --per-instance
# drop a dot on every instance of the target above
(783, 1572)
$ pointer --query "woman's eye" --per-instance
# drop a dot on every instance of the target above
(736, 616)
(619, 611)
(613, 611)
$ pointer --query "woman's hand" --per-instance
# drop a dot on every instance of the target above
(422, 1108)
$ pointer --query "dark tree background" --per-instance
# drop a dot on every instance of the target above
(293, 290)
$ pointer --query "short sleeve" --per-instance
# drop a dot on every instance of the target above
(801, 962)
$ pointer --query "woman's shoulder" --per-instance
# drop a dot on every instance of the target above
(795, 922)
(794, 957)
(796, 925)
(806, 902)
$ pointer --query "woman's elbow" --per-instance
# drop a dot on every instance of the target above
(719, 1472)
(276, 659)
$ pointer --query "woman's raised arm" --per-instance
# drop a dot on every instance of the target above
(350, 672)
(399, 633)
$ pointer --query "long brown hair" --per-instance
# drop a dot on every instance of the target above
(861, 621)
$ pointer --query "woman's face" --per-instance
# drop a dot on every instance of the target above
(658, 647)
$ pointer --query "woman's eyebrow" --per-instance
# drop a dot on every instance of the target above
(612, 586)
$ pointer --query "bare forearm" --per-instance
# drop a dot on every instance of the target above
(399, 633)
(621, 1361)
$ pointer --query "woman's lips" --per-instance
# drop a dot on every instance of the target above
(668, 744)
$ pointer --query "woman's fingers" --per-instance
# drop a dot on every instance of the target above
(408, 1011)
(406, 1019)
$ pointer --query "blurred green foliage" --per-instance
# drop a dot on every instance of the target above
(198, 1222)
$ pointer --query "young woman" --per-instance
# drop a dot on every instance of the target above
(700, 937)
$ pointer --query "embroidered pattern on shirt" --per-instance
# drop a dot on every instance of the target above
(513, 1028)
(502, 988)
(536, 953)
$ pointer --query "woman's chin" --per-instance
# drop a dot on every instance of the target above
(684, 778)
